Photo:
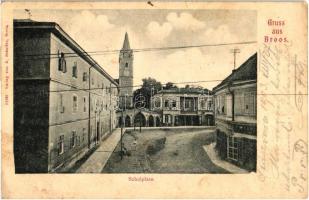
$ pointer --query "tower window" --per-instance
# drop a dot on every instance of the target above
(127, 65)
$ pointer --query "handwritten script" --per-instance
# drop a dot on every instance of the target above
(282, 92)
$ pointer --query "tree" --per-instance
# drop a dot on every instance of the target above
(169, 85)
(149, 88)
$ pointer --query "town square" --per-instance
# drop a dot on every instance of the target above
(116, 100)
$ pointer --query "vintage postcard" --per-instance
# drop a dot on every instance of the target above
(154, 100)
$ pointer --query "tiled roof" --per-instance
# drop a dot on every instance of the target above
(247, 71)
(185, 91)
(126, 43)
(64, 37)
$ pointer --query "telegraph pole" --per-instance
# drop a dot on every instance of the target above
(235, 51)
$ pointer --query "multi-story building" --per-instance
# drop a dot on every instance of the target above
(63, 99)
(235, 115)
(184, 106)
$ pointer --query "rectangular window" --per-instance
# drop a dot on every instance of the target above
(78, 141)
(62, 63)
(91, 105)
(174, 104)
(209, 105)
(61, 145)
(189, 104)
(74, 103)
(249, 103)
(166, 103)
(229, 104)
(157, 103)
(84, 134)
(85, 76)
(85, 104)
(93, 134)
(222, 107)
(61, 107)
(90, 139)
(101, 105)
(74, 70)
(73, 139)
(232, 148)
(202, 104)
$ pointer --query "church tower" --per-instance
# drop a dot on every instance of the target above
(126, 74)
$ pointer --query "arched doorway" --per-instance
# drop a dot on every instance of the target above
(151, 121)
(119, 121)
(127, 121)
(139, 120)
(158, 121)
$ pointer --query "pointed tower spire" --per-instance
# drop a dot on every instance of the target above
(126, 44)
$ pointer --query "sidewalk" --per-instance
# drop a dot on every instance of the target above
(210, 150)
(171, 127)
(96, 162)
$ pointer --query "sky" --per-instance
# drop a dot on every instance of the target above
(101, 30)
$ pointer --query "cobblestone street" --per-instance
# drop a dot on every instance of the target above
(146, 152)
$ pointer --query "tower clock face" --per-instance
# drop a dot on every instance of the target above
(126, 55)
